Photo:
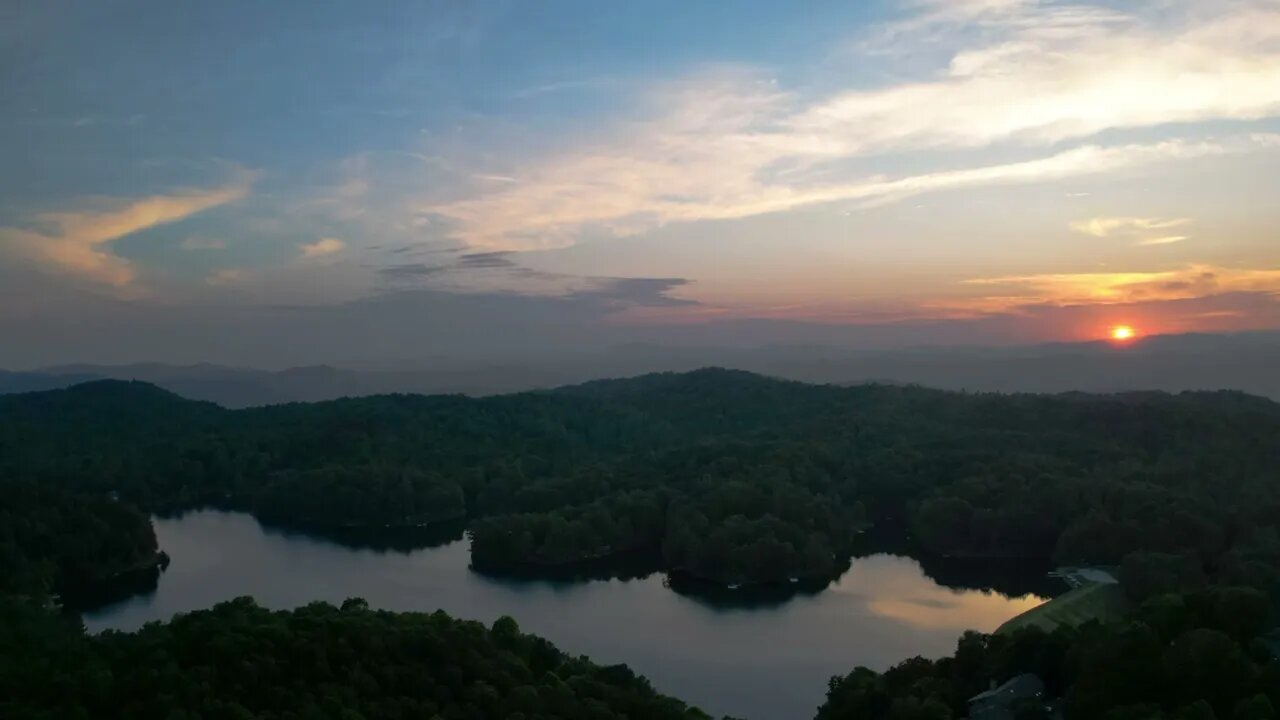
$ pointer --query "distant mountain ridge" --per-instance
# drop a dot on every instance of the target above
(1171, 363)
(22, 382)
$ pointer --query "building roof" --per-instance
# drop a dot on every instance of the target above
(1025, 685)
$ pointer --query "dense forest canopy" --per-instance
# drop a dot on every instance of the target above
(55, 541)
(729, 476)
(1193, 656)
(726, 476)
(238, 660)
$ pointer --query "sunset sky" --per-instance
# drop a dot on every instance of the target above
(290, 181)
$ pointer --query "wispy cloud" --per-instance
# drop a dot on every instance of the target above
(496, 178)
(563, 86)
(1166, 240)
(731, 143)
(1062, 289)
(78, 242)
(1142, 231)
(411, 271)
(486, 260)
(321, 247)
(499, 272)
(1106, 227)
(622, 195)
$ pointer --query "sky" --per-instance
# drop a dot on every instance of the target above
(344, 182)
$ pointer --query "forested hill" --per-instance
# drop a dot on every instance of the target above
(238, 660)
(53, 541)
(729, 476)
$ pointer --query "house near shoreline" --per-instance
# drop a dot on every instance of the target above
(1003, 702)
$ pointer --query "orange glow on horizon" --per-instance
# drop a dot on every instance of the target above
(1123, 333)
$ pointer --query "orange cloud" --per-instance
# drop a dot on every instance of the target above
(1061, 289)
(79, 243)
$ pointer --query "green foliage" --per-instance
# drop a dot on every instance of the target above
(1146, 574)
(369, 495)
(240, 660)
(726, 475)
(627, 521)
(51, 540)
(1178, 657)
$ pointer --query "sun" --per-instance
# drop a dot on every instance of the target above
(1122, 332)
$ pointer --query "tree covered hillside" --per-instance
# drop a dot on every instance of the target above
(238, 660)
(55, 541)
(729, 476)
(1203, 655)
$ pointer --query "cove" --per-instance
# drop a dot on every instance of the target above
(755, 660)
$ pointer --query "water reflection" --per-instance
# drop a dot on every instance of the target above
(902, 593)
(142, 581)
(642, 564)
(624, 566)
(394, 539)
(754, 660)
(1013, 577)
(755, 596)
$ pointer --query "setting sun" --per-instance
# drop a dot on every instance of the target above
(1122, 332)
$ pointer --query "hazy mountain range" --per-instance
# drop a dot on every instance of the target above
(1249, 362)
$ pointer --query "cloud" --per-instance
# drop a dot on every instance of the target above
(321, 247)
(468, 264)
(1106, 227)
(392, 327)
(1079, 162)
(634, 292)
(499, 259)
(78, 242)
(498, 272)
(411, 271)
(562, 86)
(730, 142)
(49, 323)
(961, 10)
(1047, 72)
(1146, 232)
(1064, 289)
(1167, 240)
(196, 242)
(629, 194)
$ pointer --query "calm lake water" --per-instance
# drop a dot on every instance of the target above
(762, 662)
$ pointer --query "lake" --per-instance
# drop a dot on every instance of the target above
(761, 661)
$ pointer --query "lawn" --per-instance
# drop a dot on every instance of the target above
(1103, 602)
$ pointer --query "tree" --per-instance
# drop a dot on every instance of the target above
(1258, 707)
(1207, 664)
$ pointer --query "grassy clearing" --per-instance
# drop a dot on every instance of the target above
(1102, 602)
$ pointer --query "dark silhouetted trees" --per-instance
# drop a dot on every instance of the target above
(238, 660)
